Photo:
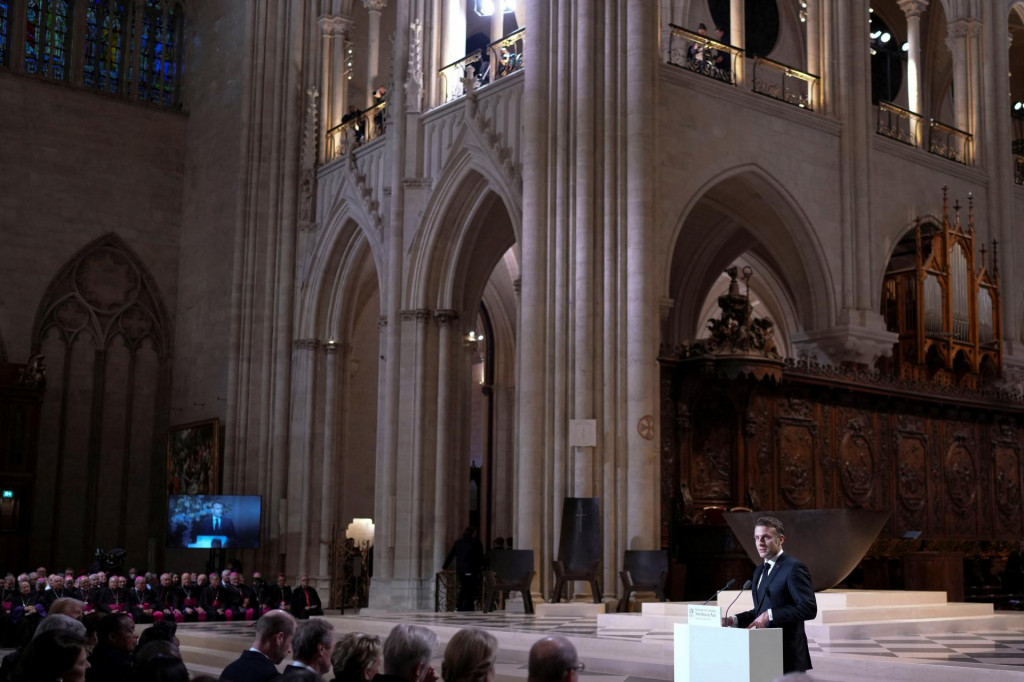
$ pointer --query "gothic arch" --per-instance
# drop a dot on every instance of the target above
(342, 234)
(106, 290)
(742, 209)
(453, 244)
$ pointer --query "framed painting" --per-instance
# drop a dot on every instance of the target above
(193, 458)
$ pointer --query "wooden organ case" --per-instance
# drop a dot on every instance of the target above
(944, 304)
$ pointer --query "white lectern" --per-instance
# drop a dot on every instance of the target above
(705, 651)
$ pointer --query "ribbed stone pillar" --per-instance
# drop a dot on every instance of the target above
(328, 486)
(642, 520)
(374, 8)
(533, 332)
(737, 35)
(956, 40)
(447, 351)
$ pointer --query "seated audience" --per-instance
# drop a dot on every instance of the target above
(306, 601)
(357, 657)
(469, 656)
(311, 649)
(274, 633)
(553, 659)
(407, 653)
(53, 656)
(111, 660)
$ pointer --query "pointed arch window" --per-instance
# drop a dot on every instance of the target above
(46, 38)
(105, 23)
(159, 61)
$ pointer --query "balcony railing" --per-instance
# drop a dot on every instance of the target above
(1018, 168)
(899, 124)
(501, 58)
(367, 125)
(949, 142)
(703, 55)
(784, 83)
(508, 54)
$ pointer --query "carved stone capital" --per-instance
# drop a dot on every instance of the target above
(444, 316)
(913, 8)
(305, 344)
(418, 314)
(375, 5)
(334, 26)
(382, 322)
(517, 285)
(955, 30)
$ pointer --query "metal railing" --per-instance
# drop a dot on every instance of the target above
(501, 58)
(1018, 169)
(897, 123)
(508, 54)
(784, 83)
(367, 125)
(949, 142)
(701, 54)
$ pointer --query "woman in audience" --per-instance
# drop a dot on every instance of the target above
(357, 657)
(469, 656)
(53, 656)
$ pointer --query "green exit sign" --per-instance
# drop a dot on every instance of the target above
(8, 494)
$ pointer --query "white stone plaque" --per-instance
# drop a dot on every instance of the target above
(582, 433)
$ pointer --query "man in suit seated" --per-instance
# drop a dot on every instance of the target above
(279, 596)
(306, 601)
(274, 633)
(783, 595)
(313, 644)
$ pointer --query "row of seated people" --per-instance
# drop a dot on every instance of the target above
(208, 598)
(110, 650)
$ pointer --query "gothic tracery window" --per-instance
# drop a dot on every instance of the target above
(159, 53)
(5, 31)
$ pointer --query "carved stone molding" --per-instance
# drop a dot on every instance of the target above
(417, 314)
(334, 26)
(358, 180)
(305, 344)
(375, 5)
(492, 139)
(445, 316)
(382, 322)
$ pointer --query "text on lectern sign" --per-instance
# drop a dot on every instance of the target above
(706, 616)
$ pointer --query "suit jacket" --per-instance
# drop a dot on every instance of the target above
(276, 595)
(205, 527)
(788, 592)
(297, 673)
(251, 666)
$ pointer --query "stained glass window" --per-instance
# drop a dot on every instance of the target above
(5, 31)
(105, 21)
(46, 37)
(159, 59)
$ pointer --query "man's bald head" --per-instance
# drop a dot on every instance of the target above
(552, 659)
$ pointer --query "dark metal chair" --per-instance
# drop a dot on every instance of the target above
(643, 569)
(511, 570)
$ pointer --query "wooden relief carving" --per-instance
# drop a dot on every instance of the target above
(960, 474)
(856, 463)
(911, 487)
(712, 465)
(1007, 482)
(796, 463)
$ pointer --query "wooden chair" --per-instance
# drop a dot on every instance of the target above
(511, 570)
(564, 573)
(643, 569)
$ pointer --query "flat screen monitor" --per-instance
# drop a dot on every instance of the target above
(212, 521)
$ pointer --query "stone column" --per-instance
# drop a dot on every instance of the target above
(913, 10)
(373, 8)
(330, 448)
(584, 295)
(641, 414)
(956, 40)
(815, 53)
(498, 22)
(447, 408)
(453, 36)
(737, 35)
(300, 447)
(532, 347)
(334, 85)
(76, 41)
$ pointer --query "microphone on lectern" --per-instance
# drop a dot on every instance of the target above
(727, 586)
(746, 586)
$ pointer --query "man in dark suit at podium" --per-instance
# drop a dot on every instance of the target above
(216, 524)
(783, 595)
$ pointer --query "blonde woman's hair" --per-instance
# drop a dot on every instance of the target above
(469, 656)
(354, 654)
